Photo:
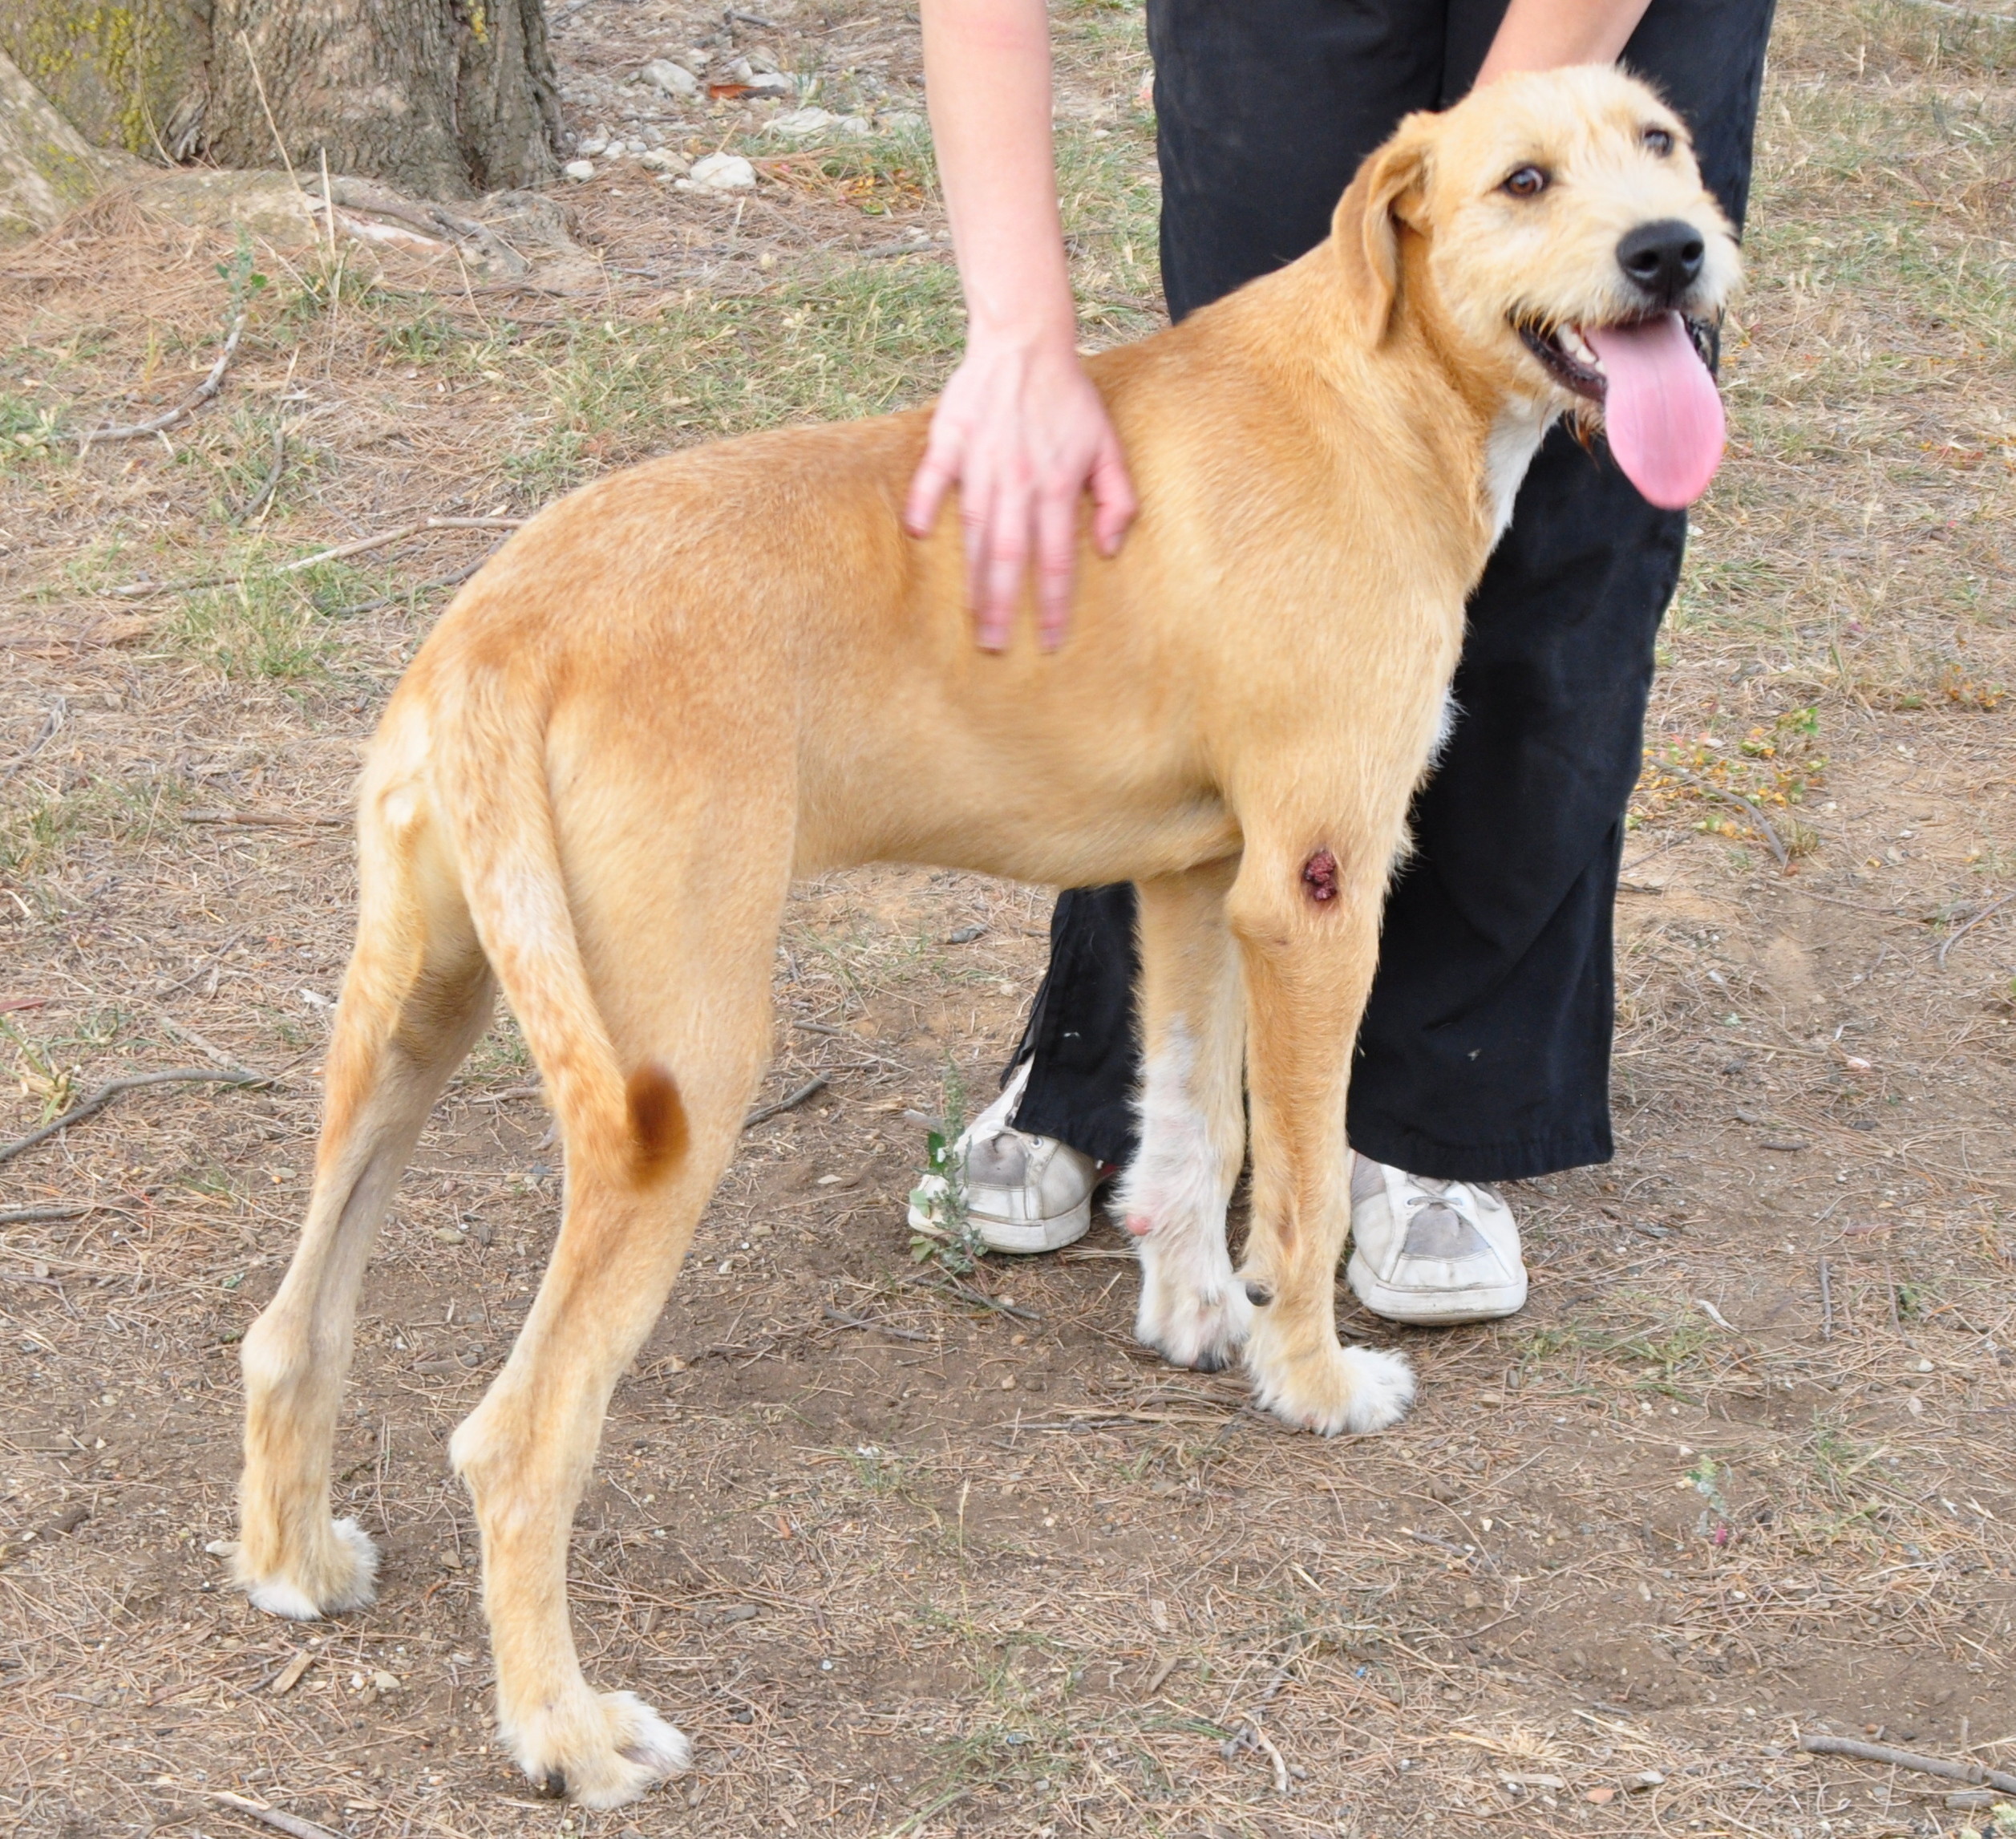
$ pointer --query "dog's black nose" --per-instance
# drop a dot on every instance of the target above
(1662, 258)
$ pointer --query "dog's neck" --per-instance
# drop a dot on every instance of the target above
(1515, 438)
(1511, 423)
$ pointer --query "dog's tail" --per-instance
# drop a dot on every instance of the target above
(490, 767)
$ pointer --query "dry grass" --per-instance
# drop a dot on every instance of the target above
(1744, 1467)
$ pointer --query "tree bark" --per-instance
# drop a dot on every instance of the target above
(47, 169)
(442, 98)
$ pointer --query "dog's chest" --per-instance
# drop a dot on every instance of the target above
(1514, 439)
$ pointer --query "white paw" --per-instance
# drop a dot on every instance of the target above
(1190, 1322)
(340, 1573)
(1329, 1389)
(600, 1749)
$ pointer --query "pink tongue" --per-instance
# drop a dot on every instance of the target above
(1661, 411)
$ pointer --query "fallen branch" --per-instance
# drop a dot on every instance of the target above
(38, 1216)
(256, 502)
(790, 1102)
(1961, 932)
(137, 590)
(168, 418)
(291, 1824)
(966, 1294)
(268, 819)
(841, 1319)
(1972, 1773)
(133, 1082)
(1771, 836)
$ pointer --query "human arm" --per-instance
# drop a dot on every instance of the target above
(1020, 430)
(1545, 34)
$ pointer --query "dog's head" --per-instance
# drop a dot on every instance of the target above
(1570, 255)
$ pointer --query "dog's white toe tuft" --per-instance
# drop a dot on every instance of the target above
(340, 1574)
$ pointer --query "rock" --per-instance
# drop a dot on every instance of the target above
(772, 85)
(663, 159)
(450, 1235)
(802, 123)
(723, 173)
(578, 170)
(674, 79)
(595, 144)
(902, 121)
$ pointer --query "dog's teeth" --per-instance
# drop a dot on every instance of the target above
(1578, 347)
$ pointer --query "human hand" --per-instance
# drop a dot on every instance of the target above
(1023, 433)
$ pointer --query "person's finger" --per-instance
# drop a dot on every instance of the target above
(1114, 504)
(1007, 561)
(977, 496)
(934, 477)
(1056, 542)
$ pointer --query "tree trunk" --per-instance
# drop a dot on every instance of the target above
(47, 168)
(439, 98)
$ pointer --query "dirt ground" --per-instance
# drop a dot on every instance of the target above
(910, 1554)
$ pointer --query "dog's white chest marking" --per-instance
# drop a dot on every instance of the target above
(1514, 439)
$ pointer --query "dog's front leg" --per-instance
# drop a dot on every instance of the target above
(1193, 1124)
(1306, 915)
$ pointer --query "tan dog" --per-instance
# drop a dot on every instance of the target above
(692, 681)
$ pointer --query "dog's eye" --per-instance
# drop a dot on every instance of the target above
(1659, 140)
(1525, 182)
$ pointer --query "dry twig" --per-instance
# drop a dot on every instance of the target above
(291, 1824)
(133, 1082)
(168, 418)
(1972, 1773)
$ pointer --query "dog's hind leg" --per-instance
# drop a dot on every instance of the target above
(682, 975)
(1308, 926)
(1192, 1123)
(417, 994)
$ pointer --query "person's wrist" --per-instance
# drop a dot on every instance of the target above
(1042, 333)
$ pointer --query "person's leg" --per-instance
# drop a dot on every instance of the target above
(1264, 110)
(1485, 1051)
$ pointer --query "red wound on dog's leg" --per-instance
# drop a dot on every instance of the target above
(1139, 1225)
(657, 1120)
(1319, 876)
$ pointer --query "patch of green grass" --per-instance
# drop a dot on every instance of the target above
(36, 835)
(265, 624)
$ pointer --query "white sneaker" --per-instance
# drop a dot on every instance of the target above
(1433, 1252)
(1024, 1193)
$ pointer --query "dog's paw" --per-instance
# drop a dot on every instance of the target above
(338, 1572)
(1329, 1389)
(600, 1750)
(1191, 1318)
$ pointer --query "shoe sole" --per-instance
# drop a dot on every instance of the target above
(1434, 1309)
(1025, 1238)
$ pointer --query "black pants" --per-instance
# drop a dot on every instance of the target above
(1484, 1053)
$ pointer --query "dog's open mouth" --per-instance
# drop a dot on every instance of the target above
(1650, 377)
(1567, 355)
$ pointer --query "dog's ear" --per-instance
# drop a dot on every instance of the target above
(1390, 190)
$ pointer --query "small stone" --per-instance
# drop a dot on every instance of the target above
(802, 123)
(450, 1235)
(740, 1612)
(577, 170)
(723, 173)
(773, 85)
(1473, 1599)
(385, 1682)
(1600, 1797)
(595, 144)
(662, 159)
(674, 79)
